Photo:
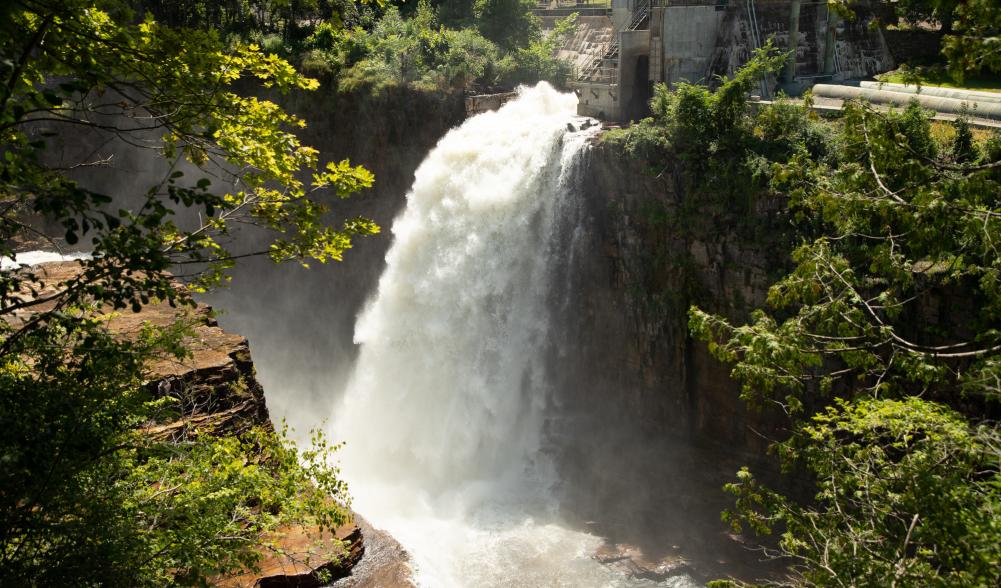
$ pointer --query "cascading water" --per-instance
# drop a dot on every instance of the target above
(443, 417)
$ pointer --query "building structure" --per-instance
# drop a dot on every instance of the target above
(621, 51)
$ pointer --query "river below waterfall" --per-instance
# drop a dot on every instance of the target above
(444, 417)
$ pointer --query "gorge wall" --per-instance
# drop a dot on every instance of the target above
(646, 425)
(655, 248)
(646, 251)
(649, 426)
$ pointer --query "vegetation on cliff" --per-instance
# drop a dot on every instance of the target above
(86, 497)
(424, 53)
(881, 343)
(432, 45)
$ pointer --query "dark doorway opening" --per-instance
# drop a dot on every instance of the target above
(642, 90)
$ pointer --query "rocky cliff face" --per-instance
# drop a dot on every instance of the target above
(649, 426)
(217, 393)
(653, 249)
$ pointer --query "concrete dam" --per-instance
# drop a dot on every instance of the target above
(622, 49)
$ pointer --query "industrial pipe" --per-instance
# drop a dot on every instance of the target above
(956, 93)
(991, 110)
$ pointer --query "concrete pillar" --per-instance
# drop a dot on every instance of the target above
(656, 44)
(830, 41)
(790, 71)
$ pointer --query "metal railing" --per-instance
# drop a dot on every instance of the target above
(668, 3)
(567, 11)
(581, 4)
(594, 71)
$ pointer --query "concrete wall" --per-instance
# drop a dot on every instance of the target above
(689, 40)
(484, 102)
(697, 43)
(589, 40)
(599, 101)
(859, 49)
(622, 13)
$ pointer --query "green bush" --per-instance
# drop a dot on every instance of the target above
(645, 141)
(908, 494)
(422, 52)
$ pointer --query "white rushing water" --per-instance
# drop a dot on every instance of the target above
(28, 258)
(443, 414)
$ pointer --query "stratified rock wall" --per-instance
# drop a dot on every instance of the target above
(651, 251)
(215, 392)
(645, 425)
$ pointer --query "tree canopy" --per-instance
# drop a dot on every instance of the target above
(889, 316)
(880, 344)
(86, 498)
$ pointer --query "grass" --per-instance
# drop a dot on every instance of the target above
(938, 77)
(944, 132)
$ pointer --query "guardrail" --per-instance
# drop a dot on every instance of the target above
(576, 4)
(567, 11)
(668, 3)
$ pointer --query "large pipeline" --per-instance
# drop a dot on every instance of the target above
(978, 108)
(955, 93)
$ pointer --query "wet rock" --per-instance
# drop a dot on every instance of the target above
(631, 561)
(385, 563)
(305, 559)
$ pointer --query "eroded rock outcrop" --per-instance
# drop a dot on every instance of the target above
(218, 394)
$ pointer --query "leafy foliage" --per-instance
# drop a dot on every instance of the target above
(970, 31)
(698, 119)
(904, 225)
(907, 495)
(508, 23)
(724, 151)
(167, 91)
(538, 61)
(90, 497)
(87, 495)
(280, 25)
(420, 51)
(888, 316)
(895, 224)
(973, 47)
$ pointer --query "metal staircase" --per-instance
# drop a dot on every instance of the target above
(603, 69)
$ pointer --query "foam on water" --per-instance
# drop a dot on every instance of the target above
(28, 258)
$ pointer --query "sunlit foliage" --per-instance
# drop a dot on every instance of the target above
(87, 497)
(880, 344)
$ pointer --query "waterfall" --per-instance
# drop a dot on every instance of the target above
(443, 417)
